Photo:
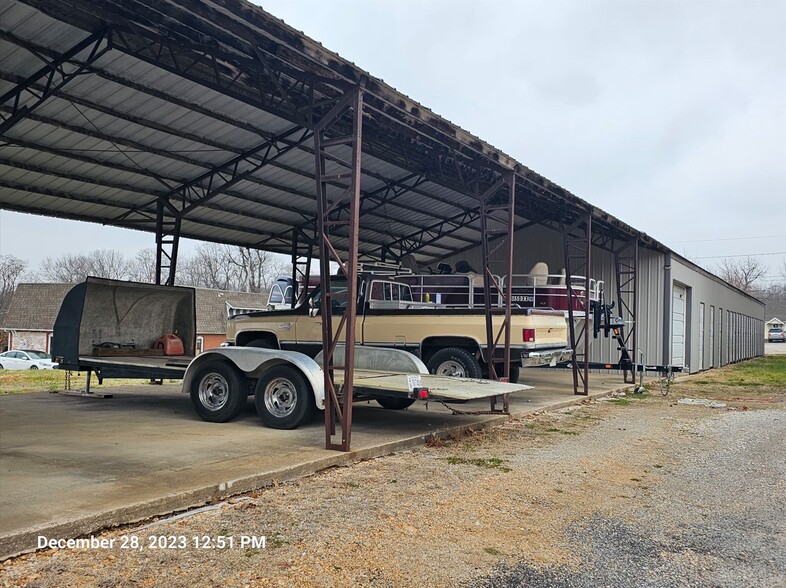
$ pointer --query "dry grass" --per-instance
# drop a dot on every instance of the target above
(26, 381)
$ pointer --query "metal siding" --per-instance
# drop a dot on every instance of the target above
(745, 313)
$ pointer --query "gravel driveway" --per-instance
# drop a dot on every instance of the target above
(626, 492)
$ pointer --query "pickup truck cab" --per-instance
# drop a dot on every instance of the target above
(449, 339)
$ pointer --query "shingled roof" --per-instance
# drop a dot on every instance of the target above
(212, 307)
(34, 307)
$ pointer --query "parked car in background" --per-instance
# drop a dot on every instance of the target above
(776, 335)
(26, 359)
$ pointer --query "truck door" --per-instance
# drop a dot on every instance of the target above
(308, 330)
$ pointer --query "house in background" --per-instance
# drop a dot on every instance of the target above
(31, 315)
(773, 322)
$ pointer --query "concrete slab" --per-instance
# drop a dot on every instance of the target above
(71, 466)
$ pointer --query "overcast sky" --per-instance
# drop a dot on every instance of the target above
(669, 115)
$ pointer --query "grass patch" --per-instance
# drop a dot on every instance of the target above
(756, 382)
(561, 431)
(492, 551)
(26, 381)
(490, 463)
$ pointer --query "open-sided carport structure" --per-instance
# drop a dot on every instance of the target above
(212, 119)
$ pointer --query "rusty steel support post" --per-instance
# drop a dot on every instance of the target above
(626, 265)
(301, 269)
(577, 240)
(167, 241)
(338, 402)
(497, 219)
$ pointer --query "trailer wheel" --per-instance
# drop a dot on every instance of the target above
(395, 403)
(284, 398)
(218, 392)
(454, 362)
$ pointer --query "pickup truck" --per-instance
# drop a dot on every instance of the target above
(449, 338)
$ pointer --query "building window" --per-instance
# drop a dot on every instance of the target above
(200, 344)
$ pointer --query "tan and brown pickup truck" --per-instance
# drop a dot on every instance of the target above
(450, 339)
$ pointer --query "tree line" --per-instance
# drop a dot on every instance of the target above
(221, 267)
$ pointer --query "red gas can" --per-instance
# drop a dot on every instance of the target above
(171, 344)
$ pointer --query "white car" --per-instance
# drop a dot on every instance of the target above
(26, 359)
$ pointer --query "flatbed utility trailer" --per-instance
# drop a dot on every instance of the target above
(111, 328)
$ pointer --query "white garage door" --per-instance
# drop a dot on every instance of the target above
(678, 326)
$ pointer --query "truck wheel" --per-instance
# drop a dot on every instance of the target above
(261, 343)
(395, 403)
(283, 398)
(218, 392)
(454, 362)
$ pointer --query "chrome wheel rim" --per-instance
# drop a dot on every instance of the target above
(452, 369)
(280, 397)
(213, 391)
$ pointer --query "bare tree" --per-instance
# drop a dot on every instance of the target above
(742, 273)
(255, 269)
(230, 268)
(142, 268)
(11, 270)
(103, 263)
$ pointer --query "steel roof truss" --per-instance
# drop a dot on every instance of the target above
(55, 74)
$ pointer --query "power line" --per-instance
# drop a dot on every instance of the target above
(729, 239)
(741, 255)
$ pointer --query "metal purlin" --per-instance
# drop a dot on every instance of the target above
(577, 240)
(626, 265)
(338, 403)
(497, 219)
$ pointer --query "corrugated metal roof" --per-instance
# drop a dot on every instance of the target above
(134, 127)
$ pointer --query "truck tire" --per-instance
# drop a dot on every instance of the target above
(395, 403)
(454, 362)
(261, 343)
(218, 392)
(284, 398)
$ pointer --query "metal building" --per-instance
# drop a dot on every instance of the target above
(212, 119)
(685, 316)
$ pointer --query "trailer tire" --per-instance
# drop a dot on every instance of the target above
(284, 398)
(395, 403)
(454, 362)
(218, 392)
